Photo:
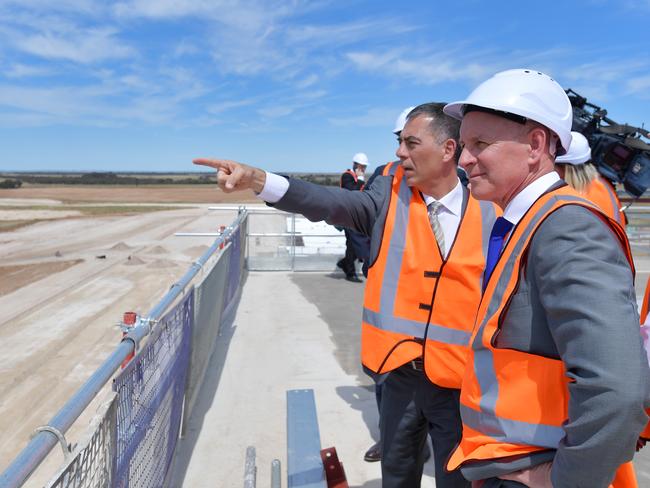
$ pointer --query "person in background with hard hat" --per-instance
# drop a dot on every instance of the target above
(576, 169)
(356, 245)
(428, 248)
(555, 387)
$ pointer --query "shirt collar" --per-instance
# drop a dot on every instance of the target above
(523, 200)
(452, 202)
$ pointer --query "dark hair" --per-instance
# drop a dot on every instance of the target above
(442, 126)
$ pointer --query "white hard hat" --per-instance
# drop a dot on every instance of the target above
(579, 151)
(527, 93)
(360, 158)
(401, 120)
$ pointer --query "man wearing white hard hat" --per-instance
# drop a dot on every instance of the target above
(555, 386)
(356, 245)
(576, 169)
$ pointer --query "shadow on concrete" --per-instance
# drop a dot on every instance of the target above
(339, 304)
(186, 445)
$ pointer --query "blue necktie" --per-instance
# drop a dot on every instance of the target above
(499, 231)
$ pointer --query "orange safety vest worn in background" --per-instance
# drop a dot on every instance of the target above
(514, 402)
(416, 303)
(353, 174)
(601, 192)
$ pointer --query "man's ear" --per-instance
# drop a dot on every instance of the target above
(449, 147)
(538, 140)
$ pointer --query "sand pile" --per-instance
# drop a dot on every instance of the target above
(134, 261)
(158, 250)
(121, 246)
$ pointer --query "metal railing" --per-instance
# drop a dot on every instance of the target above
(48, 436)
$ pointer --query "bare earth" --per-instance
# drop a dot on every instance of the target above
(65, 282)
(128, 194)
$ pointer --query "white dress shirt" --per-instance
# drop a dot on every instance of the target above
(523, 200)
(449, 213)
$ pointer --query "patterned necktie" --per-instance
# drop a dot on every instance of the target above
(432, 210)
(499, 231)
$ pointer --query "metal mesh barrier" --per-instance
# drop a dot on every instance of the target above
(236, 266)
(150, 401)
(209, 304)
(93, 459)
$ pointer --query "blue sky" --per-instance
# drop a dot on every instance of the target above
(147, 85)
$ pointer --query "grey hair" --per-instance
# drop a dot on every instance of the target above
(442, 126)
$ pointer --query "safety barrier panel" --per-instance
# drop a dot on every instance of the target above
(150, 393)
(131, 441)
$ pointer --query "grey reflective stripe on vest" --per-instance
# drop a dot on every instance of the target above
(612, 198)
(414, 328)
(395, 250)
(486, 421)
(512, 431)
(488, 216)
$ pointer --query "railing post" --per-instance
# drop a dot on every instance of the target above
(293, 242)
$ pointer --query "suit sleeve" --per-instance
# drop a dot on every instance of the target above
(586, 290)
(356, 210)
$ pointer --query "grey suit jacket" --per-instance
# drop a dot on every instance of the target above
(576, 302)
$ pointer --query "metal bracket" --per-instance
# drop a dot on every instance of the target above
(333, 468)
(67, 452)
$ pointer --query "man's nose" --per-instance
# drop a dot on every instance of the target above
(401, 152)
(466, 159)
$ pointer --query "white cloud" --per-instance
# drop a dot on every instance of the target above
(287, 105)
(426, 68)
(639, 86)
(220, 107)
(84, 46)
(374, 117)
(27, 71)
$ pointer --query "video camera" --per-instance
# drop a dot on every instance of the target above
(617, 150)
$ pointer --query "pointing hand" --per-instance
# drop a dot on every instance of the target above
(233, 176)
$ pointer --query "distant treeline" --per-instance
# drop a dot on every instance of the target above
(113, 179)
(108, 178)
(9, 183)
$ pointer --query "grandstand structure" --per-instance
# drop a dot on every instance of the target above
(239, 375)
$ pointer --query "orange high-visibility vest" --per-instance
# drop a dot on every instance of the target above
(416, 303)
(353, 174)
(604, 196)
(514, 402)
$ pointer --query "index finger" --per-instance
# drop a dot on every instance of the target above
(212, 163)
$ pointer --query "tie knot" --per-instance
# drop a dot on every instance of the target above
(501, 227)
(434, 206)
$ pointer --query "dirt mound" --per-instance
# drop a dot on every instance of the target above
(134, 261)
(158, 250)
(121, 246)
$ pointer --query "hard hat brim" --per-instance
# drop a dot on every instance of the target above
(455, 109)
